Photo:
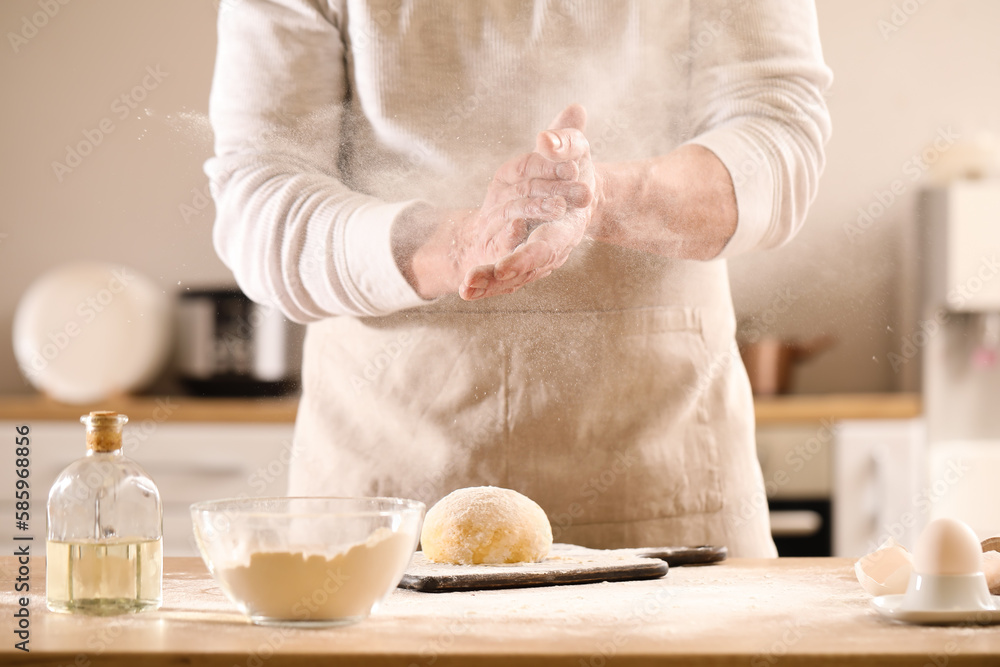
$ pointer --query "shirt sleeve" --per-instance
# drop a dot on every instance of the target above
(757, 85)
(292, 232)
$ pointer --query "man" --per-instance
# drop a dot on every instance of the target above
(490, 304)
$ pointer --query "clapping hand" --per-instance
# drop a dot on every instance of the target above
(538, 209)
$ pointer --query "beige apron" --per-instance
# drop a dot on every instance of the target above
(610, 393)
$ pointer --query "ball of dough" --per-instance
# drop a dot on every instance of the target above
(486, 524)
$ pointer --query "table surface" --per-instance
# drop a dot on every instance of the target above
(742, 612)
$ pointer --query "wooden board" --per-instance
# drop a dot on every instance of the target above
(566, 564)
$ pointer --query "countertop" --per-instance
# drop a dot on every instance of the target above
(819, 407)
(741, 612)
(769, 410)
(29, 407)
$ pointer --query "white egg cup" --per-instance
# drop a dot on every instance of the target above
(947, 592)
(942, 599)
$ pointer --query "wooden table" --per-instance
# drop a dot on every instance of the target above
(742, 612)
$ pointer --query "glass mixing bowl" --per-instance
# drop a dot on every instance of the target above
(307, 561)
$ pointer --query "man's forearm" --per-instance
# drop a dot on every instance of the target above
(424, 244)
(679, 205)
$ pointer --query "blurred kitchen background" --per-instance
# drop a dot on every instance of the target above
(907, 213)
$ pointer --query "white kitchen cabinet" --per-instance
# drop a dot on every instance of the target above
(188, 461)
(879, 483)
(795, 459)
(962, 236)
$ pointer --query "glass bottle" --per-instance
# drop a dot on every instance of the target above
(105, 552)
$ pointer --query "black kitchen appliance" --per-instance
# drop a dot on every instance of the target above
(231, 346)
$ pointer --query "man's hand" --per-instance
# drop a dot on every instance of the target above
(550, 240)
(437, 250)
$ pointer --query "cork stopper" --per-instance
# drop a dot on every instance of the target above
(104, 430)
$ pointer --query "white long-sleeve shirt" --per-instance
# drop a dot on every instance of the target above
(333, 116)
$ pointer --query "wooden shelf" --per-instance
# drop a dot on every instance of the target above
(770, 410)
(175, 408)
(818, 407)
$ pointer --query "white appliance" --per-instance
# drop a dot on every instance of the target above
(958, 337)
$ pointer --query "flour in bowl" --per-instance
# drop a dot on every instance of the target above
(296, 586)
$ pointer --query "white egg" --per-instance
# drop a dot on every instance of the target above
(949, 547)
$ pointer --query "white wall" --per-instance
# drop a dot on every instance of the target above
(890, 97)
(122, 202)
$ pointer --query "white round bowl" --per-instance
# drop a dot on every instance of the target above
(307, 562)
(89, 330)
